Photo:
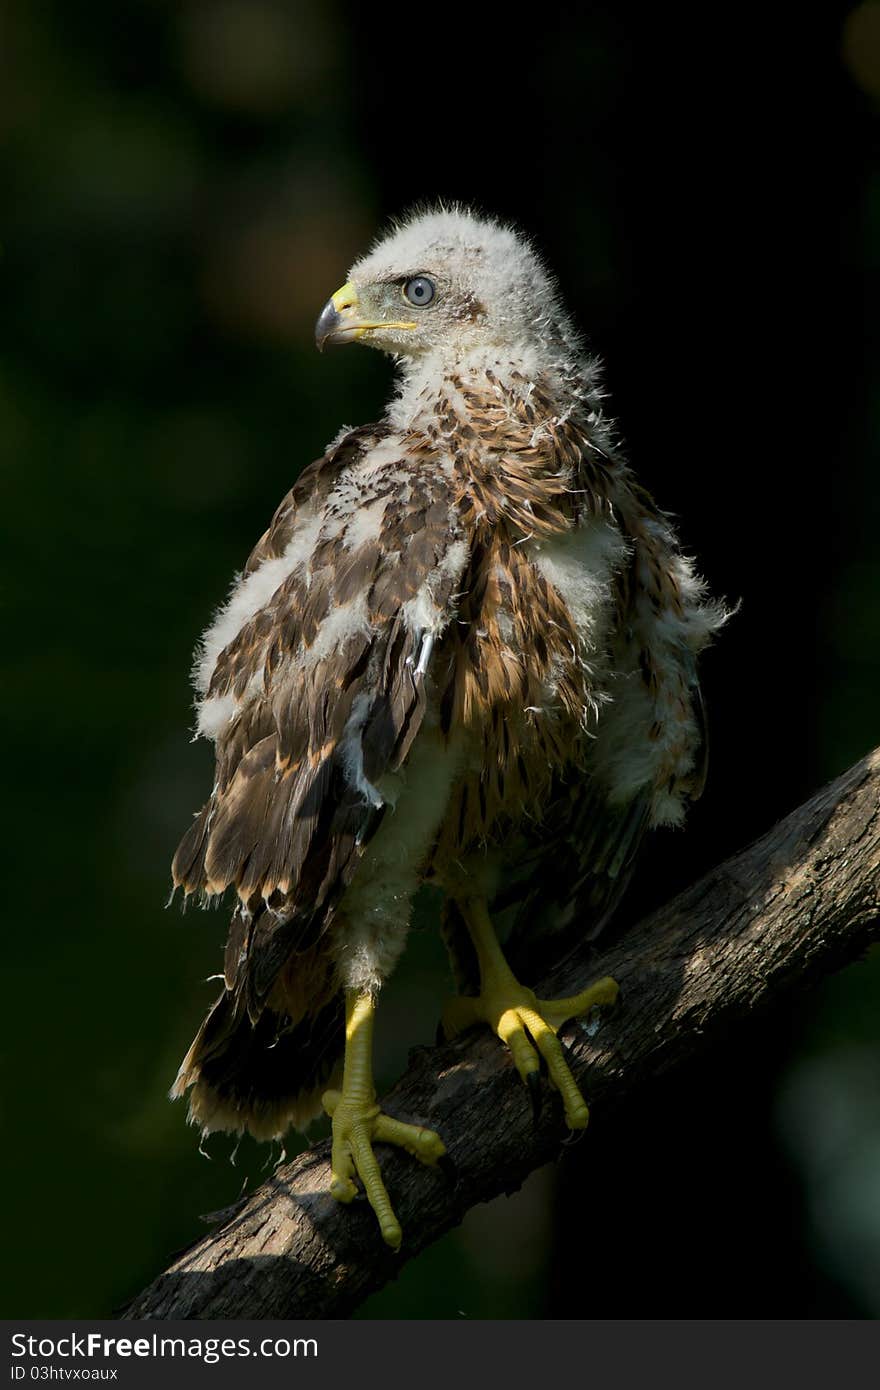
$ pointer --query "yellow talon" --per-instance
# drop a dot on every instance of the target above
(357, 1122)
(526, 1024)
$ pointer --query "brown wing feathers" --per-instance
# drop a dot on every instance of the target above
(286, 823)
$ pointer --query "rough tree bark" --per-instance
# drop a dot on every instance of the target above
(794, 906)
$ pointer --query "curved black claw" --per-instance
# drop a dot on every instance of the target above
(574, 1137)
(536, 1095)
(448, 1169)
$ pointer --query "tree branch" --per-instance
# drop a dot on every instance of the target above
(796, 905)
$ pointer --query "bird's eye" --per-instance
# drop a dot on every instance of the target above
(419, 291)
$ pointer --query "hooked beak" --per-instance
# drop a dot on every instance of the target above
(340, 321)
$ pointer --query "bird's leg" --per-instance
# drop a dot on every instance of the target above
(527, 1025)
(357, 1122)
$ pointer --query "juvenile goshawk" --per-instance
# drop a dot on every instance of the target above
(463, 653)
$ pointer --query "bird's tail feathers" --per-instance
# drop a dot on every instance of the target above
(265, 1076)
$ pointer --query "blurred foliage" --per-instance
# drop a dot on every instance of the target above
(184, 185)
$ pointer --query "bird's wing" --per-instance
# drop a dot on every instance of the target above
(649, 757)
(318, 691)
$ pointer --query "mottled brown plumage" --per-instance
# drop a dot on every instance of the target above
(463, 650)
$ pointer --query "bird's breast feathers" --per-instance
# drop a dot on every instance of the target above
(472, 573)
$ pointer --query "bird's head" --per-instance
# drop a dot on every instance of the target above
(450, 283)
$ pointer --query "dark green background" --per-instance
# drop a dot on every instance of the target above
(183, 186)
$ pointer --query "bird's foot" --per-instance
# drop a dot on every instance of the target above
(356, 1125)
(528, 1026)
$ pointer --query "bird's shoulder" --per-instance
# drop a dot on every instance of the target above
(359, 532)
(312, 488)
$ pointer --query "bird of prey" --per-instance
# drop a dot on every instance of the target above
(463, 653)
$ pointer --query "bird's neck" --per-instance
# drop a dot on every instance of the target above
(437, 392)
(526, 441)
(522, 445)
